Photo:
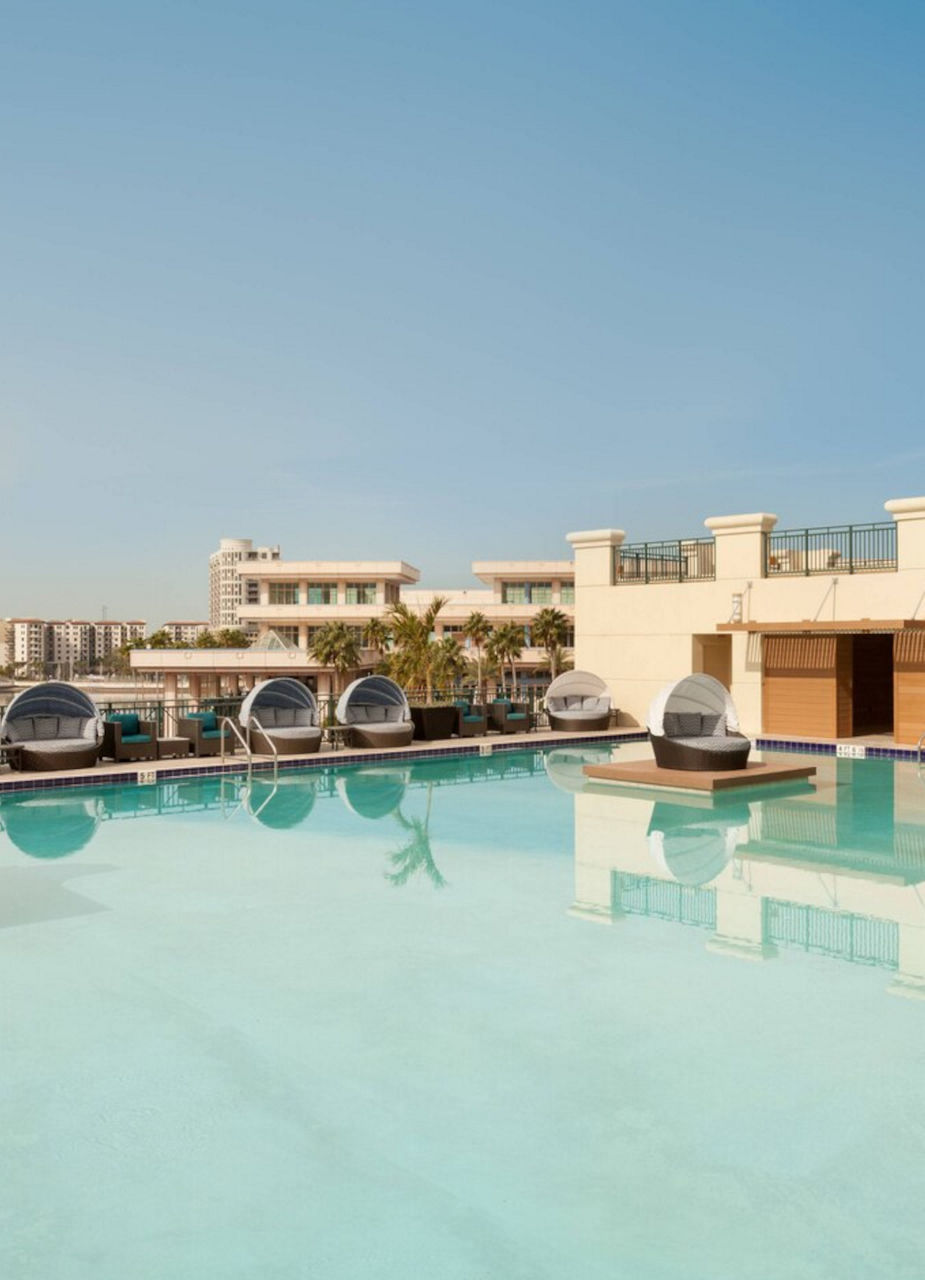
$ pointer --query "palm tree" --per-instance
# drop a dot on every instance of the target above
(449, 662)
(233, 638)
(506, 644)
(549, 629)
(376, 636)
(414, 648)
(335, 645)
(477, 628)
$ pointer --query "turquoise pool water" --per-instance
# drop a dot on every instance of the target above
(464, 1020)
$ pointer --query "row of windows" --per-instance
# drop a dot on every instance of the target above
(322, 593)
(535, 593)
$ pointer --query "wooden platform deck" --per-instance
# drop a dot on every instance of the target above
(646, 773)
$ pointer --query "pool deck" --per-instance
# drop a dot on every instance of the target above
(109, 773)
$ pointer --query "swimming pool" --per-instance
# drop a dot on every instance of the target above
(463, 1018)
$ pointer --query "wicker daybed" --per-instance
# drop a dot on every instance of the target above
(55, 726)
(376, 710)
(693, 725)
(281, 713)
(577, 701)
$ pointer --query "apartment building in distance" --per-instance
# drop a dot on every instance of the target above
(186, 633)
(229, 590)
(39, 647)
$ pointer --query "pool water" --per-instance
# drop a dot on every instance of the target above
(464, 1019)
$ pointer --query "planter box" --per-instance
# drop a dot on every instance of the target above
(435, 722)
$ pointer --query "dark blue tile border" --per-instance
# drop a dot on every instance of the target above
(330, 760)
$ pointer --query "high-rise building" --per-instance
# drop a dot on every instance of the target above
(184, 632)
(228, 589)
(62, 648)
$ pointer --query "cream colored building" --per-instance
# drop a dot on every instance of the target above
(817, 632)
(292, 600)
(228, 589)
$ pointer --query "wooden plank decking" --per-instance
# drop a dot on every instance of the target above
(646, 773)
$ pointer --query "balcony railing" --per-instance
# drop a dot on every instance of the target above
(846, 548)
(687, 560)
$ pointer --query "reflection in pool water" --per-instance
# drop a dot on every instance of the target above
(219, 1017)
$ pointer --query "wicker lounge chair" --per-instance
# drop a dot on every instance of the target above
(693, 725)
(578, 701)
(376, 710)
(509, 717)
(126, 737)
(55, 726)
(205, 735)
(473, 722)
(281, 713)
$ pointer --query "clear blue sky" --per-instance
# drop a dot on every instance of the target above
(445, 281)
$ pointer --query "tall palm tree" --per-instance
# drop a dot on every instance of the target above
(376, 636)
(477, 628)
(506, 644)
(548, 630)
(414, 650)
(335, 645)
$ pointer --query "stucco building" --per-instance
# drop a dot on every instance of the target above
(817, 632)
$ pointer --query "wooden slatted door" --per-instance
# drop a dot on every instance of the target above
(908, 686)
(806, 689)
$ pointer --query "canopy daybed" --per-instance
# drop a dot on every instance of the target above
(377, 712)
(693, 725)
(576, 701)
(281, 713)
(55, 726)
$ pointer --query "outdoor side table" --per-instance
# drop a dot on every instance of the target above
(172, 747)
(337, 736)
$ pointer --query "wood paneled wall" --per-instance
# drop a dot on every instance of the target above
(908, 686)
(806, 688)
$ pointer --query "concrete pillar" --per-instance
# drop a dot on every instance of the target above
(740, 545)
(909, 514)
(594, 556)
(195, 687)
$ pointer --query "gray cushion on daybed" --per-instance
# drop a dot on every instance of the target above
(711, 743)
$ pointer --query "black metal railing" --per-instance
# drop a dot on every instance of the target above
(684, 560)
(845, 548)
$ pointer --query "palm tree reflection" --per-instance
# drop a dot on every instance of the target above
(415, 855)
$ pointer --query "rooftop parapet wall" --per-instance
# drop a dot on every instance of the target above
(909, 514)
(740, 543)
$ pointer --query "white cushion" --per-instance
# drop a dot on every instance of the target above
(46, 728)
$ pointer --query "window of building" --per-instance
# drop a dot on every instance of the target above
(289, 634)
(567, 595)
(322, 593)
(284, 593)
(361, 593)
(540, 592)
(514, 593)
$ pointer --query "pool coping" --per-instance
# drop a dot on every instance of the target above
(153, 771)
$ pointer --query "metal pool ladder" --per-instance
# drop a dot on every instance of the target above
(918, 749)
(235, 729)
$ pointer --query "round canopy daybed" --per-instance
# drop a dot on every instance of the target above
(577, 701)
(281, 713)
(55, 725)
(377, 712)
(693, 725)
